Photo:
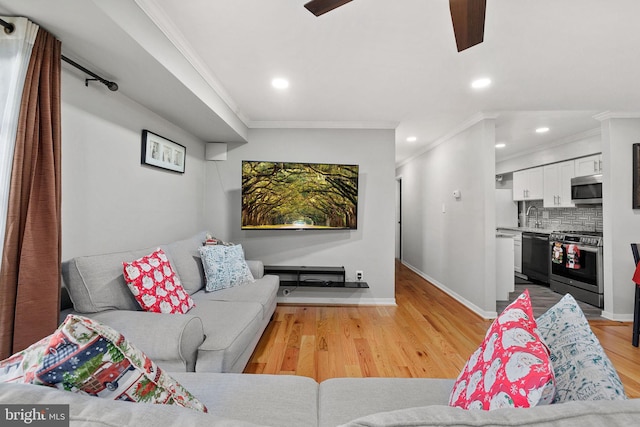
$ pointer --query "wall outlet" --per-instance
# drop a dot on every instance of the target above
(359, 275)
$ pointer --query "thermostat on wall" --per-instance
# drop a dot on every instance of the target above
(457, 194)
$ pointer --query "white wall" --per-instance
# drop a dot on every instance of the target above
(621, 222)
(369, 248)
(455, 250)
(110, 202)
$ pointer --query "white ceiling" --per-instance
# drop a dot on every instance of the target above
(373, 63)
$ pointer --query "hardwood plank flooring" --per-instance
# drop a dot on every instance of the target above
(428, 334)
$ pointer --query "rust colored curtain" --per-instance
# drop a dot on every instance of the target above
(30, 269)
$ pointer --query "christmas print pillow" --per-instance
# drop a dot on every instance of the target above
(155, 285)
(87, 357)
(582, 369)
(22, 366)
(511, 368)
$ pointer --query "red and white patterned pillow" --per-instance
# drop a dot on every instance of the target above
(87, 357)
(511, 368)
(155, 285)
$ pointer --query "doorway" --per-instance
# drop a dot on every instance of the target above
(399, 218)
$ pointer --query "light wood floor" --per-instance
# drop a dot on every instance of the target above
(428, 334)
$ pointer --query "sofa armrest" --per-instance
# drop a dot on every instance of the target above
(170, 340)
(257, 268)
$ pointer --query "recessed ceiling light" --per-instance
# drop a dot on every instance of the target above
(280, 83)
(542, 130)
(501, 145)
(481, 83)
(412, 139)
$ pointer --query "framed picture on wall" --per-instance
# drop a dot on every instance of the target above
(636, 176)
(162, 152)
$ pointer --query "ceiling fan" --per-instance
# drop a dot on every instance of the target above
(467, 17)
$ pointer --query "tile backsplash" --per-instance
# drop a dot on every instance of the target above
(580, 218)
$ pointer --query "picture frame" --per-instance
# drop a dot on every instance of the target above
(636, 176)
(163, 153)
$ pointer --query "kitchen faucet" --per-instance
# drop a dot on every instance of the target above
(537, 223)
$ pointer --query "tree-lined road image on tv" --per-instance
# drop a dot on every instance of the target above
(277, 195)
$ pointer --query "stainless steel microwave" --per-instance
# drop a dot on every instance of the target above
(587, 190)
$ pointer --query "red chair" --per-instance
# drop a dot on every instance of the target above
(636, 308)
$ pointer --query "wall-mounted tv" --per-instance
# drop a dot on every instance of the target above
(299, 196)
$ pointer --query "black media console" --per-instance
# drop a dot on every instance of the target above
(304, 276)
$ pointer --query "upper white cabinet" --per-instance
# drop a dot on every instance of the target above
(588, 165)
(528, 184)
(557, 185)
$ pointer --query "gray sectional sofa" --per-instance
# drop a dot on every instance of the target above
(218, 335)
(290, 401)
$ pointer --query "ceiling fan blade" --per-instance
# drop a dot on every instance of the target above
(319, 7)
(468, 22)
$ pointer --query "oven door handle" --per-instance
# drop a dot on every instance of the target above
(585, 248)
(528, 236)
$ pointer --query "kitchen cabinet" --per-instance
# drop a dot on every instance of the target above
(590, 165)
(557, 185)
(528, 184)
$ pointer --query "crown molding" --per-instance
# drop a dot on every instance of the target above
(617, 115)
(256, 124)
(471, 121)
(556, 143)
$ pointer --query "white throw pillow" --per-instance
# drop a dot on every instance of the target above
(224, 267)
(582, 369)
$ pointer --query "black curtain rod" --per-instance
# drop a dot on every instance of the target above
(111, 85)
(8, 28)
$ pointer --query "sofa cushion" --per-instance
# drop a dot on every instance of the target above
(275, 400)
(87, 411)
(95, 283)
(582, 414)
(511, 368)
(85, 356)
(582, 369)
(224, 266)
(155, 285)
(185, 259)
(263, 291)
(344, 399)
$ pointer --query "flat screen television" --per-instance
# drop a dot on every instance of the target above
(299, 196)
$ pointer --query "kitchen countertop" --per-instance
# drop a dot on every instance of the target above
(528, 229)
(505, 235)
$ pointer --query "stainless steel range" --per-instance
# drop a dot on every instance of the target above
(576, 265)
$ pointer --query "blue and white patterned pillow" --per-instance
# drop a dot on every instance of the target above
(224, 266)
(582, 369)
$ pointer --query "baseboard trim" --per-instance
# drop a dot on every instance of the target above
(617, 317)
(337, 301)
(471, 306)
